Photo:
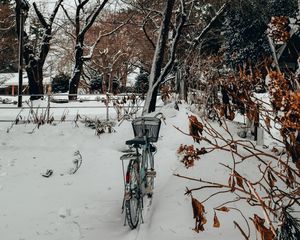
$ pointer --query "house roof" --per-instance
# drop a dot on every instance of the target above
(10, 79)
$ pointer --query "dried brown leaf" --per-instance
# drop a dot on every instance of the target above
(265, 233)
(216, 221)
(231, 183)
(199, 215)
(268, 122)
(223, 209)
(271, 179)
(195, 128)
(239, 179)
(202, 151)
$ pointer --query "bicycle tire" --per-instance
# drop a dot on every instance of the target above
(133, 204)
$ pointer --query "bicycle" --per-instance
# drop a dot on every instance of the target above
(140, 174)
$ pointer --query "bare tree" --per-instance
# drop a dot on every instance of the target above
(35, 61)
(81, 28)
(158, 72)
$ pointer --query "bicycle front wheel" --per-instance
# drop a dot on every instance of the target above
(133, 192)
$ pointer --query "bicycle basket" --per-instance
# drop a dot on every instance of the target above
(146, 126)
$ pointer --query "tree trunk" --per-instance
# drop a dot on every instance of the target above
(158, 58)
(181, 85)
(74, 82)
(105, 78)
(80, 35)
(35, 81)
(152, 104)
(34, 69)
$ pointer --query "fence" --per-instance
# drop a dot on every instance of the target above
(53, 104)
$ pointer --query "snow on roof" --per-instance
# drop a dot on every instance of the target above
(9, 79)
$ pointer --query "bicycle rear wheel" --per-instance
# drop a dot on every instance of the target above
(133, 194)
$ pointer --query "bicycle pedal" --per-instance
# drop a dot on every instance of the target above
(149, 190)
(127, 196)
(151, 173)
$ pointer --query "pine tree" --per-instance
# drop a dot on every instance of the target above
(142, 83)
(244, 33)
(287, 8)
(290, 228)
(245, 28)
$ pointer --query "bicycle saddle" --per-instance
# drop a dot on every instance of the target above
(136, 141)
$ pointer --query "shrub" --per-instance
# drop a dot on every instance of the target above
(60, 83)
(142, 83)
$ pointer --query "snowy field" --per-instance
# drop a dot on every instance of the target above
(87, 204)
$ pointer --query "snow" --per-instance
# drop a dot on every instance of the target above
(87, 204)
(9, 79)
(131, 78)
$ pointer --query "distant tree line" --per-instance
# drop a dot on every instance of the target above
(161, 38)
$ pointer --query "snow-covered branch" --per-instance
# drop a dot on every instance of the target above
(198, 39)
(93, 17)
(178, 31)
(68, 16)
(40, 16)
(92, 48)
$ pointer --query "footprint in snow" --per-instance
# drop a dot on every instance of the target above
(11, 163)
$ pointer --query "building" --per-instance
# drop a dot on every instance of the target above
(9, 84)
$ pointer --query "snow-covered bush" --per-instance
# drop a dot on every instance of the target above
(60, 83)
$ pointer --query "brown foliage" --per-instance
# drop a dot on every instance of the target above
(216, 221)
(284, 99)
(195, 128)
(190, 154)
(265, 233)
(166, 92)
(280, 29)
(223, 209)
(271, 178)
(239, 179)
(268, 122)
(199, 215)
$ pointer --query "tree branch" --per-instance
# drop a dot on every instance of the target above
(197, 40)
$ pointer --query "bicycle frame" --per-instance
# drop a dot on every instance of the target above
(140, 173)
(145, 160)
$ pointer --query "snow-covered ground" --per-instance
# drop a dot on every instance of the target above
(87, 204)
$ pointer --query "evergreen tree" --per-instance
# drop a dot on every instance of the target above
(142, 83)
(245, 28)
(287, 8)
(290, 227)
(96, 83)
(60, 83)
(244, 32)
